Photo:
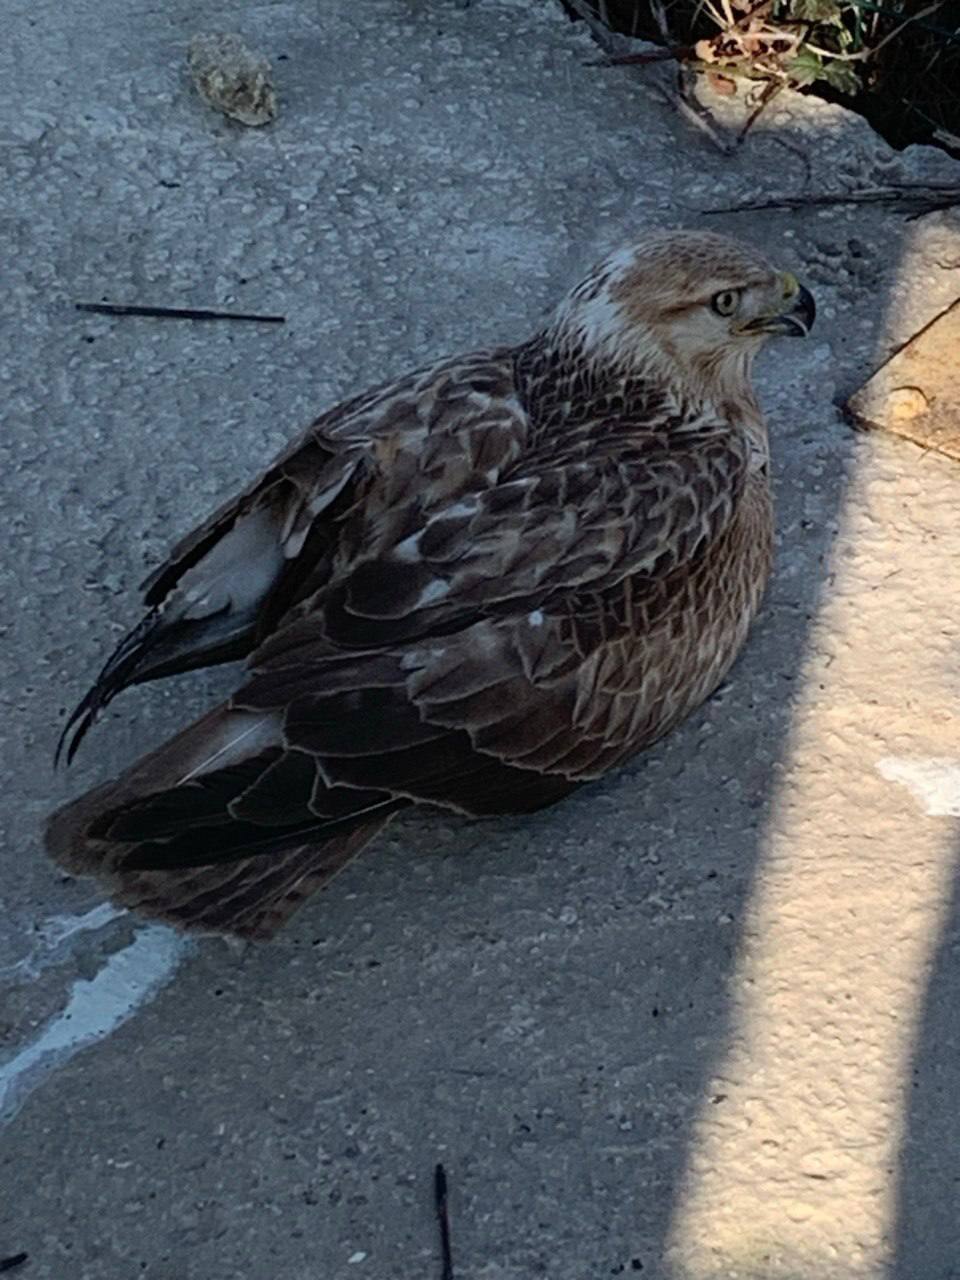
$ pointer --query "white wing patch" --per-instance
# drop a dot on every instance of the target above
(237, 571)
(408, 550)
(432, 592)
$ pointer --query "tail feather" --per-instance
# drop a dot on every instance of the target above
(159, 646)
(164, 839)
(114, 677)
(249, 899)
(233, 840)
(174, 811)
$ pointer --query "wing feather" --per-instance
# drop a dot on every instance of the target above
(560, 690)
(548, 529)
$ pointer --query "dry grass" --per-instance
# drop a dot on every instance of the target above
(897, 61)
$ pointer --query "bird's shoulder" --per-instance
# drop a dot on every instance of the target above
(422, 434)
(435, 538)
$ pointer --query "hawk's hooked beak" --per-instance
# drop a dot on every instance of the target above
(798, 314)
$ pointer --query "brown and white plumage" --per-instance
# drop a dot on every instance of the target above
(476, 586)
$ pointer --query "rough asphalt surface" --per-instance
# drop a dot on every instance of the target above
(698, 1022)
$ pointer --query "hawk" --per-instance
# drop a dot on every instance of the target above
(475, 587)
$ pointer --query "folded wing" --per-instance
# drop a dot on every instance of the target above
(437, 604)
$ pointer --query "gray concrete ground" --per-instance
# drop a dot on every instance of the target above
(700, 1021)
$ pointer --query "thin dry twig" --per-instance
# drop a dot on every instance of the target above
(922, 199)
(685, 101)
(801, 153)
(443, 1217)
(660, 17)
(680, 53)
(600, 30)
(173, 313)
(770, 91)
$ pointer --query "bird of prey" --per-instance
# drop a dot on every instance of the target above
(475, 587)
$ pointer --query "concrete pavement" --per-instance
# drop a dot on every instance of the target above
(698, 1022)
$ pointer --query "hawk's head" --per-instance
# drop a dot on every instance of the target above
(691, 303)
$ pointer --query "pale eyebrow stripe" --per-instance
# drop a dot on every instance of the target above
(719, 287)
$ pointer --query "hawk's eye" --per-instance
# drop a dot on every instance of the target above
(725, 302)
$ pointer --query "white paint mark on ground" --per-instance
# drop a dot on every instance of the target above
(933, 781)
(129, 979)
(58, 933)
